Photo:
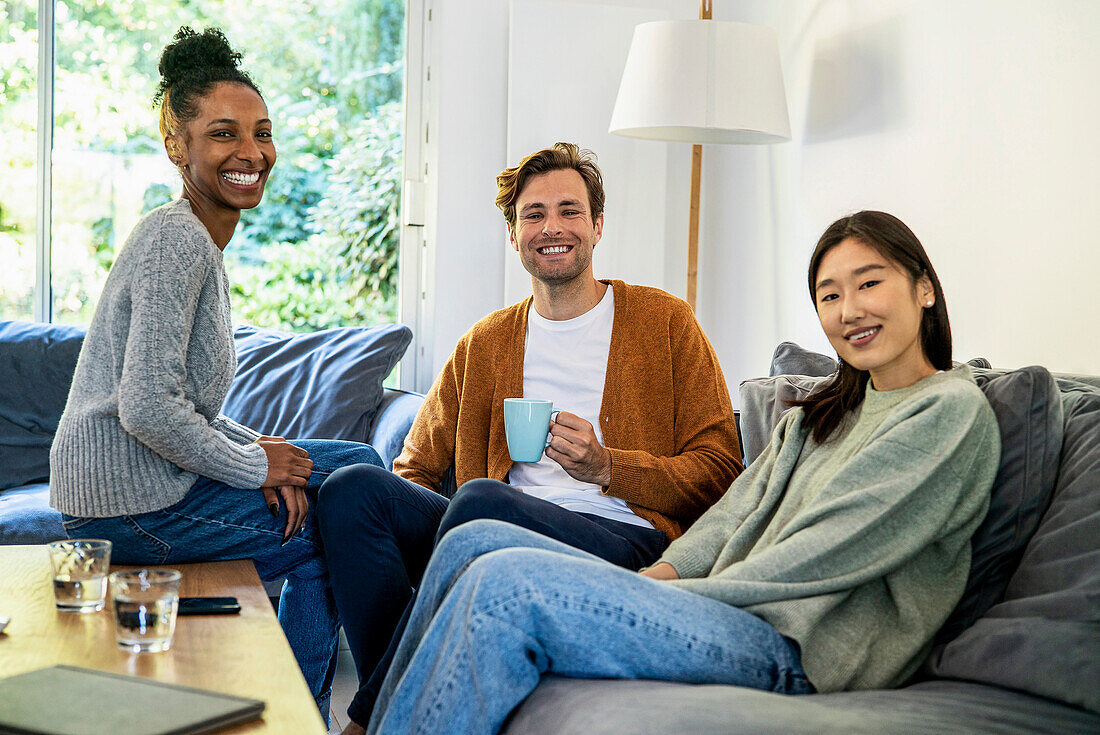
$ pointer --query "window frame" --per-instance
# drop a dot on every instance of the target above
(43, 289)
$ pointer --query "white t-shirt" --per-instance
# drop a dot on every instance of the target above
(566, 362)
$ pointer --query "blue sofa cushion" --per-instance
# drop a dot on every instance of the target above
(321, 385)
(38, 362)
(26, 516)
(1043, 637)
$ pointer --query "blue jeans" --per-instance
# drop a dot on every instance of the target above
(491, 619)
(215, 522)
(396, 524)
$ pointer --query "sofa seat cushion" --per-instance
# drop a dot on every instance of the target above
(320, 385)
(601, 707)
(26, 516)
(1043, 637)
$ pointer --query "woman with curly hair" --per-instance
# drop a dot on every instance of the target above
(142, 455)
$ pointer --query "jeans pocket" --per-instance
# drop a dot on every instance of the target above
(130, 543)
(73, 523)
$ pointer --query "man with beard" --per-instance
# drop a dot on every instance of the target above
(644, 441)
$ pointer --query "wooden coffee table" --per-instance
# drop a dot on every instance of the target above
(246, 654)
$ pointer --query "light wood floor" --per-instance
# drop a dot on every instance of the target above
(343, 687)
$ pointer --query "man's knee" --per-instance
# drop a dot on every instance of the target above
(476, 499)
(357, 486)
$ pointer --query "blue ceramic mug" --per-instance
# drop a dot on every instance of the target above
(527, 426)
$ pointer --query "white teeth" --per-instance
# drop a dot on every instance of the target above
(554, 249)
(864, 333)
(242, 179)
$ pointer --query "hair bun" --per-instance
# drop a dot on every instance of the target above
(195, 53)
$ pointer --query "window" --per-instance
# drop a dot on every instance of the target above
(322, 248)
(18, 122)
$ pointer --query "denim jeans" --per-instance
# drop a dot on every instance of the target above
(396, 523)
(490, 619)
(215, 522)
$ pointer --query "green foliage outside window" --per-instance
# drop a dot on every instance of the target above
(320, 251)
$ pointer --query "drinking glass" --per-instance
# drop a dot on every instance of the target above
(80, 573)
(145, 601)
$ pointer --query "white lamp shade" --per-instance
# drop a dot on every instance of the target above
(702, 81)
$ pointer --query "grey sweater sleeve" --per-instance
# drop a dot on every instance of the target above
(153, 406)
(695, 553)
(239, 433)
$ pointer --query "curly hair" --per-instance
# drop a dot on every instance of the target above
(189, 66)
(562, 156)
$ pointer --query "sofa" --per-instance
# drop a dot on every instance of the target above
(323, 385)
(1019, 654)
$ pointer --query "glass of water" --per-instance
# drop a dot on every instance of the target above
(80, 573)
(146, 601)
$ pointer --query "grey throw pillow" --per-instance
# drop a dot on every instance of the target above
(321, 385)
(1029, 414)
(1044, 636)
(763, 403)
(790, 359)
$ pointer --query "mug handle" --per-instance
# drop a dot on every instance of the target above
(553, 418)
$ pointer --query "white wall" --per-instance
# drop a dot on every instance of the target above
(467, 109)
(971, 120)
(571, 99)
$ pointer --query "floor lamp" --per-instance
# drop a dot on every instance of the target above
(702, 81)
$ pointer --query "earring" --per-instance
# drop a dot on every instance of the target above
(929, 304)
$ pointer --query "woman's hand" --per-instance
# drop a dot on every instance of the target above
(297, 506)
(286, 463)
(661, 570)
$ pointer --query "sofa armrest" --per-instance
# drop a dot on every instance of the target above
(392, 422)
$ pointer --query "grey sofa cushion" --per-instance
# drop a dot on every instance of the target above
(566, 706)
(791, 359)
(321, 385)
(38, 362)
(763, 403)
(1044, 636)
(1029, 414)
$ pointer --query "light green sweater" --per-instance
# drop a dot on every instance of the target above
(858, 548)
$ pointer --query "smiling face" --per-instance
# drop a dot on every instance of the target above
(871, 311)
(555, 232)
(225, 153)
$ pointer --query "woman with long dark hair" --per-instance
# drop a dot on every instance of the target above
(142, 455)
(828, 565)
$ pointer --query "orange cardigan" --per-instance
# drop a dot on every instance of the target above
(666, 415)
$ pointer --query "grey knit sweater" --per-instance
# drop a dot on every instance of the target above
(857, 548)
(142, 420)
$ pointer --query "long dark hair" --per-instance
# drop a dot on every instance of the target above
(827, 405)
